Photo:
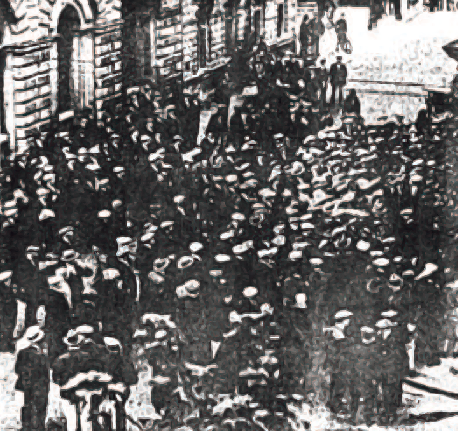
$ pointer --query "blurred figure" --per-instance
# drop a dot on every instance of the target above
(237, 127)
(217, 125)
(422, 122)
(8, 307)
(341, 31)
(322, 76)
(314, 89)
(305, 36)
(338, 78)
(32, 369)
(352, 104)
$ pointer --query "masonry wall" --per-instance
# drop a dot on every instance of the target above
(31, 77)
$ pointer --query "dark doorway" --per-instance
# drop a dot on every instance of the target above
(257, 24)
(2, 89)
(69, 21)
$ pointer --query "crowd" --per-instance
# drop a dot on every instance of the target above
(132, 219)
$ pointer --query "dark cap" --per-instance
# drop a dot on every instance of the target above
(324, 61)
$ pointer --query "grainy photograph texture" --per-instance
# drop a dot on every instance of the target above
(228, 215)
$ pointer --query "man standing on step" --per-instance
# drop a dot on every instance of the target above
(338, 78)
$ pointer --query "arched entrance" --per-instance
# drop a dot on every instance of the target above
(69, 21)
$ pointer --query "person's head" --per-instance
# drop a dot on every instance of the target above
(305, 18)
(84, 122)
(41, 316)
(165, 170)
(147, 90)
(293, 106)
(83, 156)
(32, 254)
(119, 172)
(279, 140)
(352, 93)
(323, 63)
(339, 59)
(249, 106)
(259, 67)
(177, 141)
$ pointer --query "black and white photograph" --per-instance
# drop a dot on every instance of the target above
(228, 215)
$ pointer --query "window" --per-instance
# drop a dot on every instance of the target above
(83, 63)
(257, 24)
(144, 57)
(205, 38)
(230, 26)
(280, 18)
(202, 45)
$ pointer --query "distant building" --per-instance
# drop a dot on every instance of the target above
(56, 56)
(60, 57)
(189, 38)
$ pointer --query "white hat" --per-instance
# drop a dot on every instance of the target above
(69, 255)
(5, 275)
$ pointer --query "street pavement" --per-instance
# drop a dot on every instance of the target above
(422, 403)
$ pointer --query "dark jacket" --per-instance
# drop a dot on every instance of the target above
(352, 105)
(218, 123)
(32, 370)
(341, 26)
(322, 75)
(338, 74)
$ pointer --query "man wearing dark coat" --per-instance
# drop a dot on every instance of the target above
(338, 78)
(32, 369)
(352, 104)
(322, 76)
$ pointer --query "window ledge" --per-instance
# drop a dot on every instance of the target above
(284, 40)
(66, 115)
(214, 65)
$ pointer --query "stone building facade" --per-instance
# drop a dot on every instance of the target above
(59, 57)
(176, 38)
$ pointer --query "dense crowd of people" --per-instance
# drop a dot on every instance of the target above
(109, 228)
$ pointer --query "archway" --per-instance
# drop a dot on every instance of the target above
(69, 21)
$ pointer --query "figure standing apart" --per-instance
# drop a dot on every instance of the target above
(338, 78)
(341, 31)
(322, 74)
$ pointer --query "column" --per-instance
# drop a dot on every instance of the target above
(9, 100)
(404, 9)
